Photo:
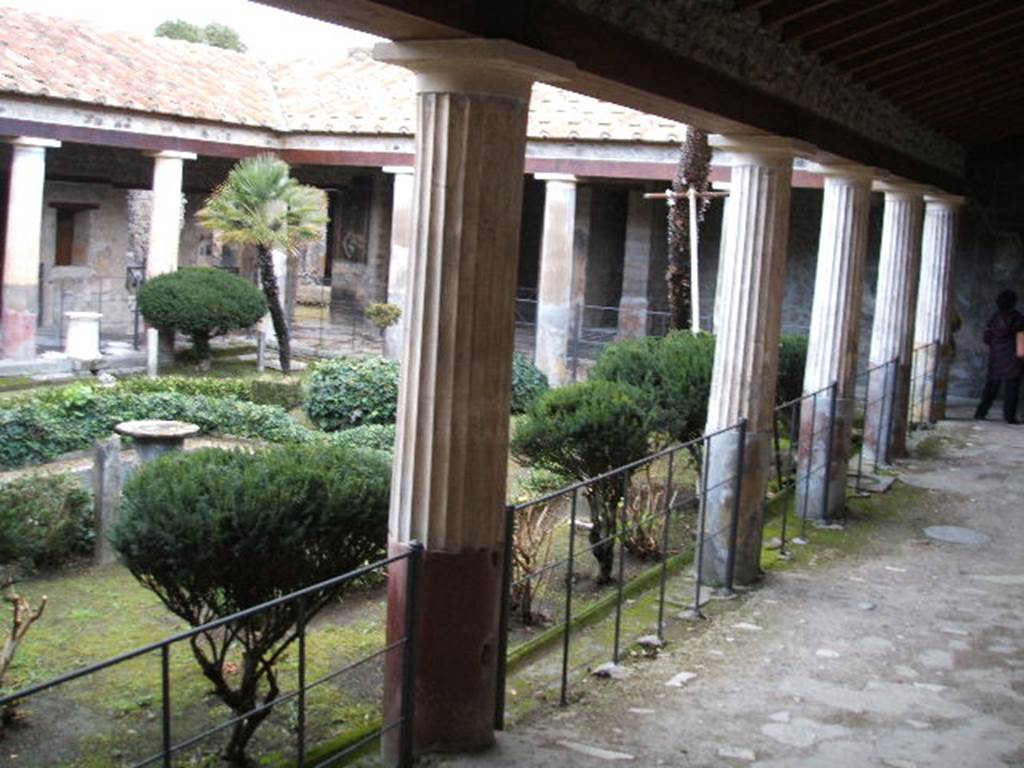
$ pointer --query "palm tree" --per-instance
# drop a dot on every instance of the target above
(694, 170)
(260, 204)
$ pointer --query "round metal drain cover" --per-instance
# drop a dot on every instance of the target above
(955, 534)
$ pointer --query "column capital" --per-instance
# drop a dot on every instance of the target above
(475, 66)
(898, 187)
(758, 149)
(567, 178)
(34, 141)
(854, 172)
(944, 200)
(171, 154)
(399, 170)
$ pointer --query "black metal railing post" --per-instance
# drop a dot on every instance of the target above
(503, 618)
(300, 621)
(737, 507)
(664, 546)
(563, 698)
(834, 387)
(408, 704)
(165, 681)
(702, 509)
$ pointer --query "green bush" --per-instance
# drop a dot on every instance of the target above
(581, 431)
(201, 302)
(214, 532)
(377, 437)
(528, 383)
(792, 359)
(349, 391)
(383, 315)
(45, 520)
(673, 376)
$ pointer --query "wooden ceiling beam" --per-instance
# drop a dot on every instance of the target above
(903, 15)
(1009, 100)
(913, 34)
(916, 59)
(976, 81)
(966, 62)
(789, 10)
(820, 22)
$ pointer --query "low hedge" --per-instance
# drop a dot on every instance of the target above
(45, 520)
(286, 393)
(350, 391)
(378, 437)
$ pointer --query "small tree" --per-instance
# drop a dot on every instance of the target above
(216, 35)
(582, 431)
(260, 204)
(201, 302)
(214, 532)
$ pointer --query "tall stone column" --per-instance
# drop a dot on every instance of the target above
(832, 344)
(398, 266)
(885, 423)
(934, 308)
(448, 482)
(165, 224)
(21, 246)
(636, 268)
(751, 275)
(562, 274)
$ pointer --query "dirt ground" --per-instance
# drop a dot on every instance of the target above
(907, 652)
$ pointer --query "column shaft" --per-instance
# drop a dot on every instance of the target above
(749, 315)
(636, 268)
(21, 247)
(933, 321)
(398, 266)
(832, 344)
(165, 221)
(885, 427)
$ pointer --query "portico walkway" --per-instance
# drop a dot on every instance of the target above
(905, 651)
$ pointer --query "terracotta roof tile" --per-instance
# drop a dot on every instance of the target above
(71, 61)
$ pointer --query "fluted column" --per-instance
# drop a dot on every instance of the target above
(932, 324)
(448, 482)
(562, 276)
(636, 268)
(21, 246)
(885, 425)
(748, 315)
(165, 221)
(398, 264)
(832, 343)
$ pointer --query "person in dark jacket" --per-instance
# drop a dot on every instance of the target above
(1004, 367)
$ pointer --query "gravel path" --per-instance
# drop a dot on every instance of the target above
(907, 652)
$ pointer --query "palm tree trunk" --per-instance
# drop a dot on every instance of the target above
(273, 294)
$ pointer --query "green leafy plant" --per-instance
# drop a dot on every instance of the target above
(582, 431)
(261, 205)
(286, 392)
(376, 437)
(216, 35)
(201, 302)
(792, 360)
(214, 532)
(383, 315)
(348, 392)
(528, 383)
(45, 520)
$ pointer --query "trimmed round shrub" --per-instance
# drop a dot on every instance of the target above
(581, 431)
(528, 383)
(201, 302)
(792, 360)
(349, 391)
(214, 532)
(45, 520)
(672, 375)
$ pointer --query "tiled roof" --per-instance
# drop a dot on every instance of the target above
(69, 60)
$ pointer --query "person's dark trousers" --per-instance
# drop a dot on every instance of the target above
(1011, 392)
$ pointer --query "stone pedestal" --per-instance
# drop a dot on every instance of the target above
(448, 483)
(398, 268)
(885, 424)
(108, 478)
(21, 246)
(832, 344)
(83, 335)
(749, 316)
(932, 323)
(636, 268)
(155, 437)
(562, 277)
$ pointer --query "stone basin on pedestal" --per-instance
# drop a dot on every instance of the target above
(154, 437)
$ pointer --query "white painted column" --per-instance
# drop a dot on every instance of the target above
(832, 343)
(751, 275)
(899, 262)
(636, 268)
(398, 266)
(561, 281)
(165, 221)
(451, 457)
(22, 244)
(930, 374)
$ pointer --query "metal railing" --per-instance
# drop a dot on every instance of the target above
(924, 382)
(298, 602)
(645, 518)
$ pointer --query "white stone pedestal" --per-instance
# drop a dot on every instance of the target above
(83, 340)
